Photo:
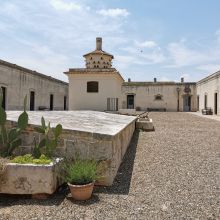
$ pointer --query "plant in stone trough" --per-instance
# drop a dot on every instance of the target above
(81, 176)
(10, 137)
(49, 141)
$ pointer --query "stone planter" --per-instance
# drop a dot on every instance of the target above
(145, 124)
(31, 178)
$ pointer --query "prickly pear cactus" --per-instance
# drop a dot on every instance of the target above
(10, 137)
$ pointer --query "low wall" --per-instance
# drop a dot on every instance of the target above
(107, 147)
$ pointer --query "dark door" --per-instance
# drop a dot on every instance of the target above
(64, 107)
(130, 101)
(205, 101)
(32, 100)
(216, 103)
(197, 102)
(51, 102)
(187, 103)
(4, 97)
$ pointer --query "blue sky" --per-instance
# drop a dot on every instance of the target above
(167, 39)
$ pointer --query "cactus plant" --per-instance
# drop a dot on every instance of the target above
(10, 137)
(49, 142)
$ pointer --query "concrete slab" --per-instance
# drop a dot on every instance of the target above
(86, 121)
(93, 135)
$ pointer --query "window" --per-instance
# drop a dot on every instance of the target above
(101, 58)
(51, 102)
(158, 97)
(92, 86)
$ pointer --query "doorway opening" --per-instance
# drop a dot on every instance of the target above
(197, 102)
(187, 103)
(51, 102)
(216, 103)
(205, 101)
(32, 100)
(64, 107)
(4, 97)
(130, 101)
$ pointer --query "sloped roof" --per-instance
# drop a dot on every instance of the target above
(101, 52)
(32, 72)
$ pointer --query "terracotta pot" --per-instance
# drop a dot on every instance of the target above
(81, 192)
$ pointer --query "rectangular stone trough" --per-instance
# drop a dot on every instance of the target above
(145, 124)
(93, 135)
(31, 178)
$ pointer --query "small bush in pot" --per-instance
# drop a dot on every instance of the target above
(81, 176)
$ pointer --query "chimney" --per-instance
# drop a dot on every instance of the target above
(182, 79)
(155, 80)
(129, 79)
(98, 43)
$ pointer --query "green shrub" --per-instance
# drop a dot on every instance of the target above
(81, 172)
(28, 158)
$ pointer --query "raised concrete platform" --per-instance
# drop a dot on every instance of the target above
(93, 135)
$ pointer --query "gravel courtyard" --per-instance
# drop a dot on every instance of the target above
(172, 173)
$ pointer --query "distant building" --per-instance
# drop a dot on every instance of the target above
(159, 96)
(43, 92)
(208, 93)
(101, 87)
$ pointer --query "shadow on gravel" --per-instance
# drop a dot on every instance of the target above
(56, 199)
(122, 180)
(92, 200)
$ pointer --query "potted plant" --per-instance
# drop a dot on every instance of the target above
(81, 176)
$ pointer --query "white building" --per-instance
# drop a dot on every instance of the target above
(43, 92)
(208, 93)
(101, 87)
(96, 87)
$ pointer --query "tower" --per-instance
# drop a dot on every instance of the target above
(98, 59)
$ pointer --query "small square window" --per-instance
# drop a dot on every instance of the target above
(93, 86)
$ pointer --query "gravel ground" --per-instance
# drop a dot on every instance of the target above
(172, 173)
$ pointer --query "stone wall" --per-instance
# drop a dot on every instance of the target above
(108, 148)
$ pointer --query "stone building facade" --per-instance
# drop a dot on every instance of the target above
(159, 96)
(43, 92)
(101, 87)
(208, 93)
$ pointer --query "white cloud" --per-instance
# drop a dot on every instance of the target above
(146, 44)
(209, 68)
(114, 12)
(65, 6)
